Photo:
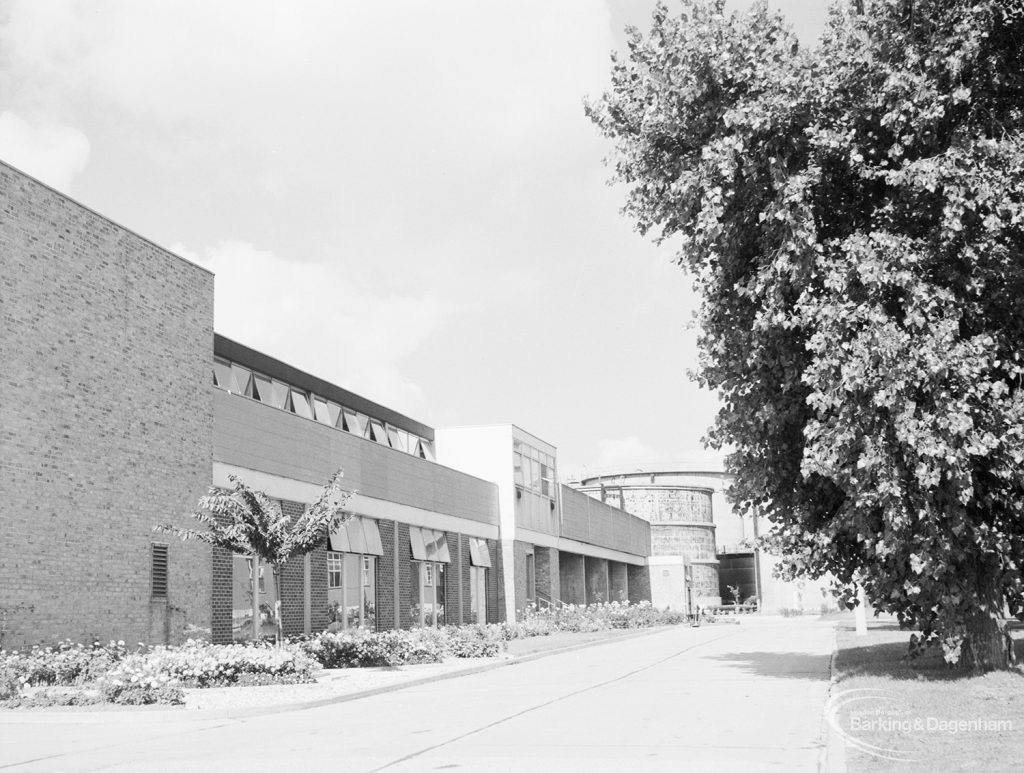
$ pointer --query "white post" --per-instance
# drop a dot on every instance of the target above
(860, 614)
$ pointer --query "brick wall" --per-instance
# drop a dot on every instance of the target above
(105, 425)
(519, 551)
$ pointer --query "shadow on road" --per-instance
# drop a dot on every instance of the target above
(782, 665)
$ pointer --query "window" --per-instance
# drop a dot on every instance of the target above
(351, 590)
(478, 594)
(533, 470)
(241, 599)
(426, 602)
(334, 570)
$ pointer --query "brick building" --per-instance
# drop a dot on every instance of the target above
(123, 407)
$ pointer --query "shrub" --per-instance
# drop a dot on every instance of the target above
(475, 641)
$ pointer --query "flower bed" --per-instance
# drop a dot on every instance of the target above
(70, 673)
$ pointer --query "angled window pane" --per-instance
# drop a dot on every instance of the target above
(485, 553)
(416, 542)
(356, 537)
(300, 404)
(261, 388)
(222, 372)
(428, 449)
(277, 394)
(320, 411)
(379, 433)
(339, 539)
(334, 414)
(393, 438)
(474, 557)
(437, 547)
(353, 422)
(373, 543)
(243, 380)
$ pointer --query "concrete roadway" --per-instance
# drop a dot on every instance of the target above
(720, 697)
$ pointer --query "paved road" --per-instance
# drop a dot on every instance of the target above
(720, 697)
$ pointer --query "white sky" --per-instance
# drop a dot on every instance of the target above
(404, 198)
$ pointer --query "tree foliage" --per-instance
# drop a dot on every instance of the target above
(853, 217)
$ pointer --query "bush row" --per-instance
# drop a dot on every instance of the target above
(115, 674)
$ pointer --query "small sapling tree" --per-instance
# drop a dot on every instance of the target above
(248, 523)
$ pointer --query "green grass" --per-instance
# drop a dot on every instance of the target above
(909, 711)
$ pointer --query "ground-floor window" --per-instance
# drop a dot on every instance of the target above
(480, 562)
(352, 589)
(478, 594)
(241, 599)
(426, 601)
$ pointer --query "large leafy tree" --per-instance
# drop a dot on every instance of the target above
(853, 218)
(246, 522)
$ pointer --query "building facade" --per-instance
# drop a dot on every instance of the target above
(124, 408)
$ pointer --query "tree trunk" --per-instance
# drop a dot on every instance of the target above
(255, 598)
(986, 645)
(278, 622)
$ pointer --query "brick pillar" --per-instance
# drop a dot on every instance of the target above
(403, 573)
(466, 559)
(223, 567)
(495, 585)
(386, 577)
(291, 584)
(453, 581)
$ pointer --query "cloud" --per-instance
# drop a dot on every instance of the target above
(53, 154)
(321, 318)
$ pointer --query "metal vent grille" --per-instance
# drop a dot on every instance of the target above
(159, 571)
